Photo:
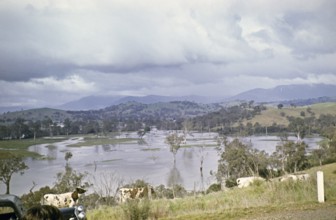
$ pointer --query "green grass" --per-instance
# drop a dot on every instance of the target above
(93, 140)
(273, 114)
(267, 197)
(151, 149)
(9, 148)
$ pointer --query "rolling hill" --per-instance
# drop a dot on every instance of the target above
(287, 92)
(299, 93)
(99, 102)
(279, 116)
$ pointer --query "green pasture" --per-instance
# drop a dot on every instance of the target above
(103, 140)
(245, 203)
(279, 116)
(9, 148)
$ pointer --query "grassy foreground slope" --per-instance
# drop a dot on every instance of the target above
(273, 114)
(255, 202)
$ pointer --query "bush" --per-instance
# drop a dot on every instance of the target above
(162, 192)
(230, 183)
(93, 201)
(136, 209)
(35, 198)
(180, 191)
(137, 184)
(214, 188)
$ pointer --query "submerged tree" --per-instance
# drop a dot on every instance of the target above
(174, 141)
(8, 167)
(69, 179)
(174, 179)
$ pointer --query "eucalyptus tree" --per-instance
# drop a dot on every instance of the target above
(174, 141)
(19, 128)
(67, 126)
(291, 155)
(35, 128)
(238, 160)
(9, 166)
(298, 126)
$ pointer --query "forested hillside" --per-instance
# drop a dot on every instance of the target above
(245, 118)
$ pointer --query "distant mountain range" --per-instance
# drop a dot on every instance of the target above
(277, 94)
(285, 93)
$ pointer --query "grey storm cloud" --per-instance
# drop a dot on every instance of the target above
(115, 38)
(306, 33)
(162, 47)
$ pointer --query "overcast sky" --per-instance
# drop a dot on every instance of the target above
(55, 51)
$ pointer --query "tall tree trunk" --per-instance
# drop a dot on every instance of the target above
(7, 186)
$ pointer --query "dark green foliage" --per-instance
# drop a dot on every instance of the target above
(69, 180)
(93, 201)
(8, 167)
(162, 192)
(174, 141)
(291, 156)
(230, 182)
(298, 126)
(215, 187)
(136, 209)
(34, 198)
(66, 182)
(137, 184)
(238, 160)
(225, 118)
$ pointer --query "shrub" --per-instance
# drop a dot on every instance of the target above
(162, 192)
(136, 209)
(180, 191)
(231, 182)
(214, 188)
(34, 198)
(138, 183)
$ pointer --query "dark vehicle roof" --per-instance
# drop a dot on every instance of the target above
(9, 197)
(14, 202)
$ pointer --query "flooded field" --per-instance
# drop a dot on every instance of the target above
(151, 161)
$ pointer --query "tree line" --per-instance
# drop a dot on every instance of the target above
(238, 159)
(229, 120)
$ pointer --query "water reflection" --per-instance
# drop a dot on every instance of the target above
(174, 177)
(106, 147)
(152, 162)
(52, 152)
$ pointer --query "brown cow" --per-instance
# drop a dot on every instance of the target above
(135, 193)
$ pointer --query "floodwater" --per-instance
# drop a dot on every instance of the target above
(109, 165)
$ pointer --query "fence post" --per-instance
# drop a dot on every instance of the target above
(320, 187)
